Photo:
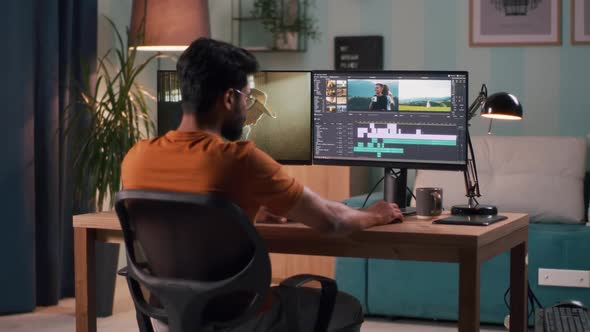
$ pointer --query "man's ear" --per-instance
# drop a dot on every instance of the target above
(228, 99)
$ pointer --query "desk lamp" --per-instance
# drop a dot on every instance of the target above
(503, 106)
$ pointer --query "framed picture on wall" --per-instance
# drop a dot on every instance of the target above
(515, 22)
(580, 21)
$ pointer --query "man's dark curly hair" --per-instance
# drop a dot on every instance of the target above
(207, 68)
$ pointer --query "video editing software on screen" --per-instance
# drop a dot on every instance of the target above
(407, 119)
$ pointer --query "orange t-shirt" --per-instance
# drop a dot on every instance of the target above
(202, 161)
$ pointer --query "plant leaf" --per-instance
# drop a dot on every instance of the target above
(106, 118)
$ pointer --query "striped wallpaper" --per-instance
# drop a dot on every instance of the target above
(551, 81)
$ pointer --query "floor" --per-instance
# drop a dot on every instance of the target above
(61, 318)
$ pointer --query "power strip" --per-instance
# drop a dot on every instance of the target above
(564, 278)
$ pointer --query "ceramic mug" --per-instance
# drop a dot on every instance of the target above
(428, 202)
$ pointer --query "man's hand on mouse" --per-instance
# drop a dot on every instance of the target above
(388, 212)
(264, 216)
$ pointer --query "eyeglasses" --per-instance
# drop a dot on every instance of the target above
(250, 99)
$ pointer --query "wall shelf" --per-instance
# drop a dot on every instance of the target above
(250, 33)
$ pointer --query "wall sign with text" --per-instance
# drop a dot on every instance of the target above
(358, 53)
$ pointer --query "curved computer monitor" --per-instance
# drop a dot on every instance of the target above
(279, 123)
(391, 119)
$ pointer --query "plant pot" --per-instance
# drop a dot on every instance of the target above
(287, 40)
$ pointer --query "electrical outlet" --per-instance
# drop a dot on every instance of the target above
(564, 278)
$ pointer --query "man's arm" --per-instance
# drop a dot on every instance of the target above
(273, 188)
(338, 219)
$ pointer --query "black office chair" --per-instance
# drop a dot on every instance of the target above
(203, 261)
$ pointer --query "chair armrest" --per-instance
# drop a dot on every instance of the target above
(138, 299)
(123, 272)
(329, 290)
(302, 279)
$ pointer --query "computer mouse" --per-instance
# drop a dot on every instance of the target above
(395, 221)
(571, 304)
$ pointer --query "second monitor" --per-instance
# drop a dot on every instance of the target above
(282, 128)
(279, 123)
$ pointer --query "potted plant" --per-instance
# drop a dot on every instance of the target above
(287, 21)
(107, 117)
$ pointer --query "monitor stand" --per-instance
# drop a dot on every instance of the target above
(395, 189)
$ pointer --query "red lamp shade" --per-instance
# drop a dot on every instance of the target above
(170, 25)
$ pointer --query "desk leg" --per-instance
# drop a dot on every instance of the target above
(85, 266)
(469, 275)
(518, 288)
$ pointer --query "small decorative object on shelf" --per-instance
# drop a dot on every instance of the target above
(273, 25)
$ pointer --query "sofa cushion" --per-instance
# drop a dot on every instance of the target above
(542, 176)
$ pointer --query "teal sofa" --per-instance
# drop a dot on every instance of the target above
(429, 290)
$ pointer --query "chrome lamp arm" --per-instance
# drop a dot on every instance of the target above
(478, 102)
(470, 173)
(472, 191)
(501, 105)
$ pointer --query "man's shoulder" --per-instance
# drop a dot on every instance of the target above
(146, 142)
(214, 149)
(135, 151)
(238, 149)
(141, 145)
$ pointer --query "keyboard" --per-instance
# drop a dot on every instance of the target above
(562, 319)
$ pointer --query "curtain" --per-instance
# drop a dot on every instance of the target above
(44, 44)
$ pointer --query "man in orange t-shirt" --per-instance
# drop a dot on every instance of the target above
(202, 155)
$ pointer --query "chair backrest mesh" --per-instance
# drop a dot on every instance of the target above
(187, 241)
(192, 242)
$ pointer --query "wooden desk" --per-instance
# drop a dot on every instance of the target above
(412, 240)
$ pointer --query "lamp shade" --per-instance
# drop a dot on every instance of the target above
(170, 25)
(502, 105)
